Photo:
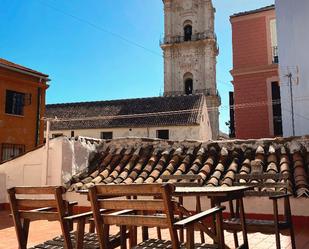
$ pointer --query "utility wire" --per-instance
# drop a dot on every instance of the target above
(97, 27)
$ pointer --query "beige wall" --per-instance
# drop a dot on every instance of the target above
(198, 132)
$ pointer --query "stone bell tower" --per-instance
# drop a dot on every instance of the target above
(190, 51)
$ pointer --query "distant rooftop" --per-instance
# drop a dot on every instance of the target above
(142, 112)
(9, 64)
(270, 7)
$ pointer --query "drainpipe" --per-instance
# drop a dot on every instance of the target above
(47, 149)
(38, 117)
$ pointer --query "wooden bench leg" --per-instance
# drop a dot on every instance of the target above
(80, 234)
(198, 210)
(181, 232)
(276, 221)
(233, 216)
(243, 222)
(220, 231)
(289, 218)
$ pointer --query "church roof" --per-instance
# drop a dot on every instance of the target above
(141, 112)
(129, 161)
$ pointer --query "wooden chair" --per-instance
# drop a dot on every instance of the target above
(275, 187)
(46, 203)
(140, 212)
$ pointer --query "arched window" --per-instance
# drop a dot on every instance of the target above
(187, 32)
(188, 83)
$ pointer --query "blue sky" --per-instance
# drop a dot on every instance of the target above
(103, 49)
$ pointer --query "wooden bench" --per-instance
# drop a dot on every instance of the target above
(273, 186)
(46, 203)
(141, 212)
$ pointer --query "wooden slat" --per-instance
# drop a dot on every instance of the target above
(129, 190)
(35, 203)
(149, 205)
(38, 215)
(36, 190)
(135, 220)
(198, 217)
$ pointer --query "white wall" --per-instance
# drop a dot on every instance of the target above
(177, 133)
(31, 168)
(293, 39)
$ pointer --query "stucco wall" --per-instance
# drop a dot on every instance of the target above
(293, 39)
(66, 157)
(197, 132)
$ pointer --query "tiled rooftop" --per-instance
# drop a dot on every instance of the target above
(41, 231)
(155, 111)
(128, 161)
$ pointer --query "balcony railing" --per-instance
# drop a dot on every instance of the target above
(194, 37)
(275, 55)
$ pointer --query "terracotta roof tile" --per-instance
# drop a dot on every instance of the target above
(128, 161)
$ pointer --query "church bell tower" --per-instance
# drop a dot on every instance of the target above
(190, 50)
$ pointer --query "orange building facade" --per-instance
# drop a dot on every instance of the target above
(22, 106)
(257, 105)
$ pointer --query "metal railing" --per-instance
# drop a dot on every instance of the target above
(195, 37)
(275, 55)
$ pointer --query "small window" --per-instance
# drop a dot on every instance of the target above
(188, 33)
(57, 135)
(14, 103)
(72, 134)
(163, 134)
(107, 135)
(11, 150)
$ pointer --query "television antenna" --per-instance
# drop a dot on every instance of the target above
(291, 73)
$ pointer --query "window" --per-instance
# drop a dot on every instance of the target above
(14, 103)
(187, 32)
(11, 150)
(107, 135)
(277, 115)
(188, 86)
(72, 134)
(163, 134)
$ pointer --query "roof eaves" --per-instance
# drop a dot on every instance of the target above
(244, 13)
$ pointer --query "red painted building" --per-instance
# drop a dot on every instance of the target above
(255, 74)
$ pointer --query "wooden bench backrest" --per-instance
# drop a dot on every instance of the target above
(138, 211)
(263, 185)
(37, 203)
(31, 202)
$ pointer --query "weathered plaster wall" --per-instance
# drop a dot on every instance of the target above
(293, 39)
(65, 159)
(197, 132)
